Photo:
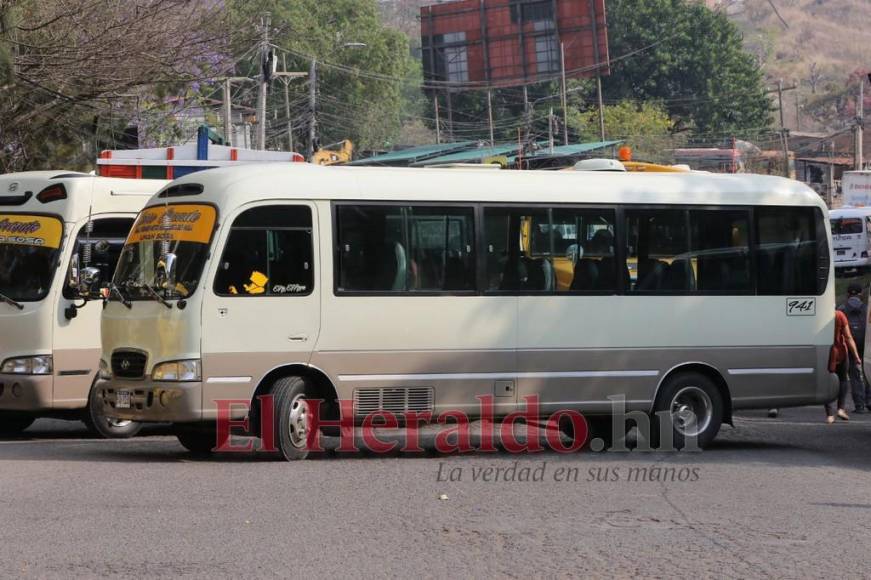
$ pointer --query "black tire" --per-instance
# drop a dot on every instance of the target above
(14, 423)
(291, 417)
(692, 405)
(198, 439)
(98, 424)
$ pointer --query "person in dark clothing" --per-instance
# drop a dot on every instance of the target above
(857, 315)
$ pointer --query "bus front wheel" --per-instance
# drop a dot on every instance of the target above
(98, 423)
(292, 418)
(690, 405)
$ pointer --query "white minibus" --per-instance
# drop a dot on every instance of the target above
(60, 237)
(407, 290)
(851, 238)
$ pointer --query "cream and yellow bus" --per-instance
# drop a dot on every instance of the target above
(425, 290)
(60, 237)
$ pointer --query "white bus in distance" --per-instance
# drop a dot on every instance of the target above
(60, 237)
(851, 238)
(421, 290)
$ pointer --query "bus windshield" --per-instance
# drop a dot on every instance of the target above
(181, 229)
(28, 255)
(842, 226)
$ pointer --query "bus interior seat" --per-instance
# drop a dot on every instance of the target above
(586, 276)
(679, 276)
(650, 274)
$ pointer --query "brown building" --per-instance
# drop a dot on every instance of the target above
(477, 43)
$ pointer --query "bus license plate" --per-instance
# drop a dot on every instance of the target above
(122, 400)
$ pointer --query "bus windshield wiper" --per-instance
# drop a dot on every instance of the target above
(156, 295)
(11, 302)
(113, 288)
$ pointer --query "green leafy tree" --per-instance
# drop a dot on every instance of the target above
(359, 60)
(689, 57)
(645, 127)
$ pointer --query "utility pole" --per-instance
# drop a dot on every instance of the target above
(490, 116)
(783, 131)
(228, 113)
(313, 105)
(438, 122)
(550, 130)
(562, 56)
(265, 64)
(450, 117)
(286, 82)
(860, 125)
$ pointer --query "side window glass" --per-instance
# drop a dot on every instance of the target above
(99, 245)
(441, 242)
(657, 255)
(787, 250)
(269, 251)
(721, 250)
(519, 250)
(372, 253)
(584, 259)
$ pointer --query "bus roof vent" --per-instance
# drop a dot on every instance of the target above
(181, 190)
(599, 165)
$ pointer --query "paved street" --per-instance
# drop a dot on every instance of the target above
(786, 498)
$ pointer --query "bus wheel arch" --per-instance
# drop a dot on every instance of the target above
(320, 384)
(706, 370)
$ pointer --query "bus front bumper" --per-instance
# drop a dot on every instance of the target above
(151, 402)
(26, 392)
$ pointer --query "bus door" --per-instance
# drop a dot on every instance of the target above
(262, 306)
(76, 344)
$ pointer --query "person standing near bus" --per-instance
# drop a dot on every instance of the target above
(857, 315)
(839, 361)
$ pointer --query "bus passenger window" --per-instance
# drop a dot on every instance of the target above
(786, 258)
(520, 250)
(371, 253)
(721, 250)
(584, 259)
(657, 251)
(441, 248)
(269, 252)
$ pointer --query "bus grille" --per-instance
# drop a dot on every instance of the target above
(128, 364)
(395, 400)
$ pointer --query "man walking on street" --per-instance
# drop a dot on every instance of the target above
(857, 315)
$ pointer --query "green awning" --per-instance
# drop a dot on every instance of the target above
(413, 154)
(565, 150)
(471, 155)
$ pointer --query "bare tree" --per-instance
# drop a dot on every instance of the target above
(64, 63)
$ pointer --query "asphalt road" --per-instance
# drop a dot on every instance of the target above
(785, 498)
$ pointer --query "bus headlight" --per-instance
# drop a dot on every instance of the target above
(28, 365)
(104, 373)
(177, 370)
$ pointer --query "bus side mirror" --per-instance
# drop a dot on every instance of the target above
(165, 275)
(89, 278)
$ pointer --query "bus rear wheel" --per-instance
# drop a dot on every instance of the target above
(690, 405)
(14, 423)
(292, 418)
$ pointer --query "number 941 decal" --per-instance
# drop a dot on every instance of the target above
(801, 306)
